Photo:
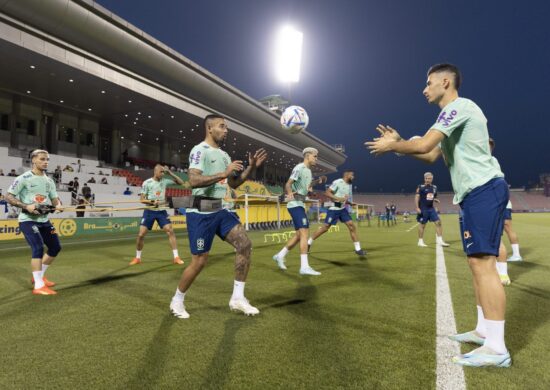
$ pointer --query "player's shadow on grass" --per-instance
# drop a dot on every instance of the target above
(154, 358)
(219, 368)
(516, 270)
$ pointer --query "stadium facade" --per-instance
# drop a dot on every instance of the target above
(80, 81)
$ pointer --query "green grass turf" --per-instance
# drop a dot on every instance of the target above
(362, 324)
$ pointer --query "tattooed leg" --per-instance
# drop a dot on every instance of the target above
(239, 240)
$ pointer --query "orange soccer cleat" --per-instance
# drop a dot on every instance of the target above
(47, 282)
(177, 260)
(136, 260)
(44, 291)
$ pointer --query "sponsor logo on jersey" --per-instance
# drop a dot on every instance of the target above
(447, 119)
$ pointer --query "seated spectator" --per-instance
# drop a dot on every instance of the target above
(81, 206)
(127, 191)
(68, 168)
(87, 193)
(12, 173)
(1, 172)
(104, 180)
(73, 189)
(92, 180)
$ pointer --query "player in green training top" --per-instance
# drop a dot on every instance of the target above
(340, 192)
(153, 192)
(30, 191)
(297, 187)
(460, 134)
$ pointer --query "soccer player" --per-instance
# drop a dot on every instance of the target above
(153, 193)
(481, 192)
(211, 172)
(393, 211)
(297, 188)
(30, 191)
(340, 192)
(426, 195)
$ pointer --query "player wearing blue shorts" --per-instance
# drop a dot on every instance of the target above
(297, 187)
(460, 135)
(426, 195)
(340, 192)
(153, 193)
(212, 174)
(31, 191)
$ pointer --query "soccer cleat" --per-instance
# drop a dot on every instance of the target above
(505, 280)
(177, 260)
(443, 243)
(44, 291)
(178, 309)
(309, 271)
(242, 304)
(136, 260)
(471, 337)
(514, 258)
(361, 253)
(280, 262)
(483, 357)
(421, 244)
(47, 283)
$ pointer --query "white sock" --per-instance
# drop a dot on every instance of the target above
(179, 296)
(495, 336)
(175, 252)
(438, 239)
(480, 327)
(304, 263)
(502, 268)
(38, 282)
(238, 290)
(282, 253)
(357, 246)
(138, 254)
(515, 250)
(421, 241)
(44, 268)
(310, 241)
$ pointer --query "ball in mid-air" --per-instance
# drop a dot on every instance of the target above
(294, 119)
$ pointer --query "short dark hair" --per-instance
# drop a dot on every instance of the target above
(448, 68)
(209, 117)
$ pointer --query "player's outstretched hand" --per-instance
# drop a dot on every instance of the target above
(388, 131)
(258, 158)
(322, 179)
(382, 144)
(235, 166)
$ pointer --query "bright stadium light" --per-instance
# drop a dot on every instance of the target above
(288, 54)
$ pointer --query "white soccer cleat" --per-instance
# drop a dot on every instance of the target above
(443, 243)
(280, 262)
(514, 258)
(178, 309)
(422, 244)
(309, 271)
(242, 304)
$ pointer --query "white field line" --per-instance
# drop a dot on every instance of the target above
(411, 228)
(449, 376)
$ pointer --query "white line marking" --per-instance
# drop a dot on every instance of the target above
(449, 376)
(408, 230)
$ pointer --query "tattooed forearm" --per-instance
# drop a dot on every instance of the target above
(14, 201)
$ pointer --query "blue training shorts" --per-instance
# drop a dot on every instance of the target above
(150, 216)
(427, 215)
(39, 234)
(508, 214)
(203, 227)
(299, 217)
(483, 218)
(333, 216)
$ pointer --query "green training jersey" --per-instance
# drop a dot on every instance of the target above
(302, 181)
(30, 188)
(340, 189)
(155, 190)
(466, 147)
(211, 161)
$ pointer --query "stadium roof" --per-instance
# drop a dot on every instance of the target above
(120, 73)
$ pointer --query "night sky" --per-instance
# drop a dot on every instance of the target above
(365, 62)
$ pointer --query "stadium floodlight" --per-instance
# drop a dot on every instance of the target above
(288, 55)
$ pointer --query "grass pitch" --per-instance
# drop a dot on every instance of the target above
(362, 324)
